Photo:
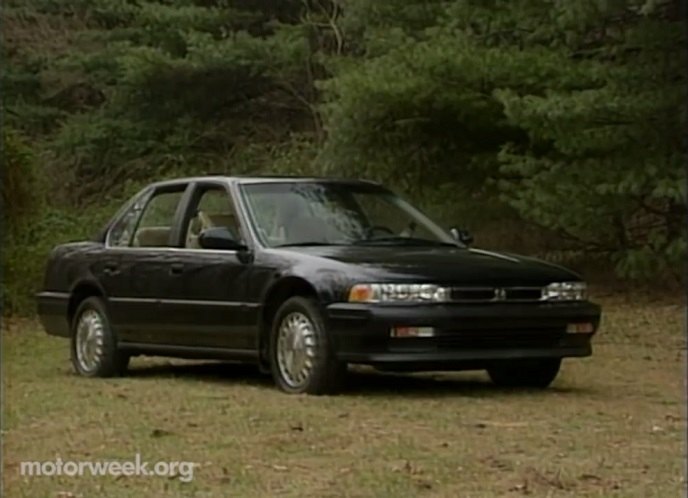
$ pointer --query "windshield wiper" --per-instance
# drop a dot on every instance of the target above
(306, 244)
(407, 241)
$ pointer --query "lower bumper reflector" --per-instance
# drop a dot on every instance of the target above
(580, 328)
(400, 332)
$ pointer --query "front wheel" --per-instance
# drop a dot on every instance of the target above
(94, 350)
(525, 373)
(301, 355)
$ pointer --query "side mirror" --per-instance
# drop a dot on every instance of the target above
(219, 238)
(463, 236)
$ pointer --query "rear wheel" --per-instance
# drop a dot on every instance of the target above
(537, 373)
(94, 350)
(301, 356)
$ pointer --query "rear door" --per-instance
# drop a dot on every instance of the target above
(146, 267)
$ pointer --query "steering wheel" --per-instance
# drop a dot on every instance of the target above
(379, 229)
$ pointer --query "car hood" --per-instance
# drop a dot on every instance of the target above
(440, 265)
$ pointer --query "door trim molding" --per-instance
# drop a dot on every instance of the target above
(184, 302)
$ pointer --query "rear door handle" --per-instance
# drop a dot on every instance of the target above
(176, 268)
(111, 268)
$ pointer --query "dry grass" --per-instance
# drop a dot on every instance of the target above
(612, 425)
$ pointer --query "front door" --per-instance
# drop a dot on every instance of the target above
(206, 298)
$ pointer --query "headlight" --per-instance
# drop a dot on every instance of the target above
(384, 293)
(565, 291)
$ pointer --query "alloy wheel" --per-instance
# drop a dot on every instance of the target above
(296, 349)
(90, 339)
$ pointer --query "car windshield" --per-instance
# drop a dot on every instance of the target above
(334, 213)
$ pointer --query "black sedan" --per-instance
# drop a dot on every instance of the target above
(304, 276)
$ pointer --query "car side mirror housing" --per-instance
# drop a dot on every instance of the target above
(463, 236)
(219, 238)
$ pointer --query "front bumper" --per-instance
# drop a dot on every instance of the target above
(466, 336)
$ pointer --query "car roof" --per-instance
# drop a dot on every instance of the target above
(261, 179)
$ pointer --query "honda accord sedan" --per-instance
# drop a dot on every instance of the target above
(303, 276)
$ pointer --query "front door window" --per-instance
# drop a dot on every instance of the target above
(213, 209)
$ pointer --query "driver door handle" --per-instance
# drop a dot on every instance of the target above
(176, 268)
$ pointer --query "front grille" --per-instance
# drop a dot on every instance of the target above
(499, 339)
(523, 294)
(472, 294)
(495, 294)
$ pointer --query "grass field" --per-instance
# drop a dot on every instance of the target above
(611, 425)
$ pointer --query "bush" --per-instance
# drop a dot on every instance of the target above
(32, 226)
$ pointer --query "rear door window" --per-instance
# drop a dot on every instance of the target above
(157, 220)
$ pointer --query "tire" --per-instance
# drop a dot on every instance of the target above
(525, 373)
(312, 367)
(94, 350)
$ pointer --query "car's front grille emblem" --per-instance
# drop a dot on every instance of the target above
(499, 294)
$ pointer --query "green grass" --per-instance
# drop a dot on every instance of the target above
(611, 425)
